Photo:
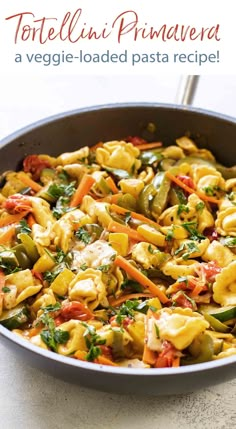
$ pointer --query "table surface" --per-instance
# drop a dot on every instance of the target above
(30, 398)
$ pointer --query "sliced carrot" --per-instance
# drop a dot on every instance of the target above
(147, 146)
(140, 278)
(7, 235)
(23, 177)
(31, 220)
(94, 147)
(197, 289)
(34, 331)
(138, 216)
(8, 219)
(83, 189)
(102, 360)
(81, 355)
(115, 302)
(114, 226)
(110, 182)
(111, 198)
(176, 362)
(190, 190)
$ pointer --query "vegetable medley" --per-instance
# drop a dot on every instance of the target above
(121, 254)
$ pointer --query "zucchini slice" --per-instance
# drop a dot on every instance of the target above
(223, 314)
(14, 318)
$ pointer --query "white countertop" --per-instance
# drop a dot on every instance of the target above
(32, 399)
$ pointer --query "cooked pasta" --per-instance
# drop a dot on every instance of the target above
(121, 254)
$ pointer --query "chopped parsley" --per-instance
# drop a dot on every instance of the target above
(157, 330)
(191, 228)
(127, 217)
(180, 195)
(57, 190)
(93, 341)
(131, 285)
(170, 235)
(230, 241)
(182, 208)
(83, 267)
(209, 190)
(104, 268)
(6, 289)
(24, 227)
(188, 248)
(200, 206)
(52, 336)
(83, 235)
(152, 250)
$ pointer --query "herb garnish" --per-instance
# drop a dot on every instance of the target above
(190, 248)
(191, 227)
(93, 341)
(6, 289)
(52, 336)
(182, 208)
(200, 206)
(83, 235)
(57, 190)
(24, 227)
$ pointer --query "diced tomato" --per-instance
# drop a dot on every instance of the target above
(37, 275)
(211, 234)
(166, 357)
(34, 164)
(106, 351)
(186, 180)
(135, 140)
(59, 320)
(211, 269)
(17, 203)
(76, 310)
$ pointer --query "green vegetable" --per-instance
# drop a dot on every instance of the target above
(166, 164)
(190, 248)
(216, 324)
(30, 247)
(131, 285)
(191, 227)
(8, 260)
(6, 289)
(162, 183)
(182, 208)
(83, 235)
(118, 173)
(93, 341)
(149, 157)
(24, 227)
(14, 318)
(21, 255)
(145, 198)
(200, 206)
(201, 349)
(103, 186)
(52, 336)
(128, 202)
(229, 241)
(223, 314)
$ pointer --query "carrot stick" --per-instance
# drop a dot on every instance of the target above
(114, 226)
(7, 235)
(138, 216)
(176, 362)
(140, 278)
(111, 198)
(190, 190)
(112, 185)
(83, 189)
(31, 220)
(81, 355)
(9, 219)
(197, 289)
(102, 360)
(147, 146)
(115, 302)
(23, 177)
(34, 331)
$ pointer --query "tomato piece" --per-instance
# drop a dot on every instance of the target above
(210, 270)
(166, 357)
(135, 140)
(211, 234)
(186, 180)
(76, 310)
(17, 203)
(106, 351)
(37, 275)
(182, 300)
(34, 164)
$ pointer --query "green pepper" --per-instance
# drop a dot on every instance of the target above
(166, 164)
(160, 200)
(149, 157)
(128, 202)
(23, 260)
(201, 350)
(216, 324)
(8, 257)
(145, 198)
(103, 186)
(118, 173)
(30, 247)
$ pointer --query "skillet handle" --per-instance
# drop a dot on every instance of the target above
(187, 89)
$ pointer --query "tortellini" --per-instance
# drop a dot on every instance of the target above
(217, 252)
(224, 287)
(177, 267)
(148, 255)
(88, 288)
(73, 157)
(99, 211)
(22, 285)
(41, 211)
(179, 326)
(119, 154)
(94, 255)
(226, 222)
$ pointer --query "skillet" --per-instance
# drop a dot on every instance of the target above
(71, 130)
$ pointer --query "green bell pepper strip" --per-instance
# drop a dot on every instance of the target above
(128, 202)
(145, 198)
(30, 247)
(160, 200)
(201, 349)
(22, 257)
